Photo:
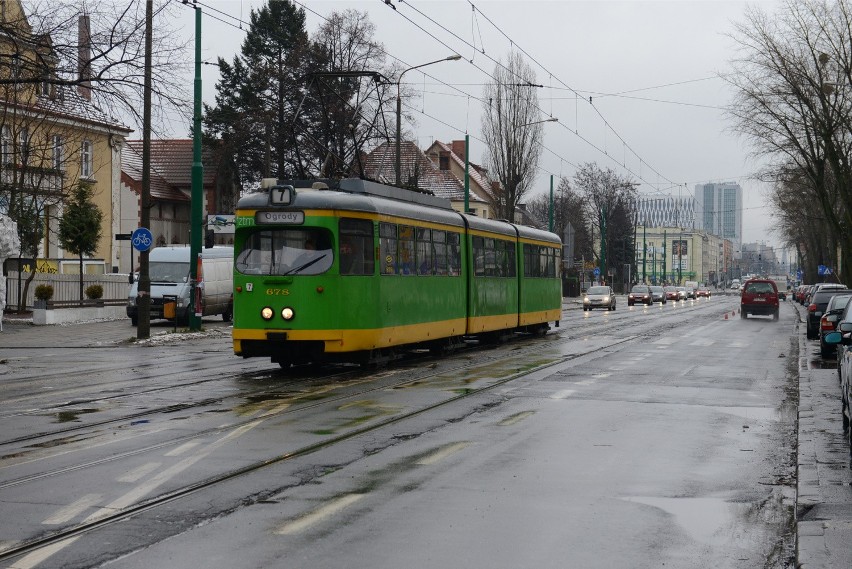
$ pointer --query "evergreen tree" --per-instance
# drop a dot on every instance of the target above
(292, 107)
(80, 226)
(259, 93)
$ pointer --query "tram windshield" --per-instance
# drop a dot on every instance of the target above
(286, 252)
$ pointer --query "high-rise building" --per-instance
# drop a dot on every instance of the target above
(719, 210)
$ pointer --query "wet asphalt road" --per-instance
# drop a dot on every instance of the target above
(644, 437)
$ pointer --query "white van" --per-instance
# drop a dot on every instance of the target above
(169, 267)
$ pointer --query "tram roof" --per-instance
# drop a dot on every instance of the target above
(359, 195)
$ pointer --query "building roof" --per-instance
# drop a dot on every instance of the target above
(476, 172)
(172, 159)
(131, 168)
(380, 165)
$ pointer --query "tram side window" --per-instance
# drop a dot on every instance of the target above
(439, 251)
(405, 255)
(532, 260)
(479, 256)
(388, 247)
(424, 251)
(356, 247)
(454, 254)
(508, 262)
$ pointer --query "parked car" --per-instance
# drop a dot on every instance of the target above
(842, 339)
(816, 308)
(671, 293)
(640, 294)
(759, 297)
(827, 323)
(703, 291)
(599, 297)
(658, 294)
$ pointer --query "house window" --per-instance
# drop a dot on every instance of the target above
(86, 169)
(24, 145)
(444, 162)
(6, 145)
(56, 155)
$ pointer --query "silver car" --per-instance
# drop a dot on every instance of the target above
(658, 294)
(599, 297)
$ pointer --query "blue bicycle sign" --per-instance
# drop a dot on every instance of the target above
(141, 239)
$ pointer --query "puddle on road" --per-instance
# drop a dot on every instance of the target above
(72, 415)
(704, 519)
(752, 413)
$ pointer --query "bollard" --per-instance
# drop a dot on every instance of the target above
(726, 316)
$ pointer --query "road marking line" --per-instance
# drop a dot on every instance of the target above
(72, 510)
(182, 449)
(586, 382)
(601, 375)
(38, 557)
(138, 473)
(319, 514)
(565, 393)
(275, 410)
(516, 418)
(442, 454)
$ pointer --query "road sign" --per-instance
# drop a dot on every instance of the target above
(142, 239)
(123, 236)
(597, 272)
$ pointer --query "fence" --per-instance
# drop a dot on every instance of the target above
(65, 287)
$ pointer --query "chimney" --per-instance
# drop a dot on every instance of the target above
(84, 61)
(458, 148)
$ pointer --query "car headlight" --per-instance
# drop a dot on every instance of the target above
(585, 300)
(267, 313)
(605, 299)
(287, 313)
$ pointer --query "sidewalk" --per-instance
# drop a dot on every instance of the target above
(824, 479)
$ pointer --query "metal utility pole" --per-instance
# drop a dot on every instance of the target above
(143, 297)
(644, 252)
(197, 195)
(603, 242)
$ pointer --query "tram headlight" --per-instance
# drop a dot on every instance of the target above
(267, 313)
(287, 313)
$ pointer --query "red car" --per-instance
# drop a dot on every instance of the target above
(671, 293)
(759, 297)
(641, 294)
(703, 291)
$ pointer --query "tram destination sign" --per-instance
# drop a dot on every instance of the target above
(279, 217)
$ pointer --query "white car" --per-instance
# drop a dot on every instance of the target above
(599, 297)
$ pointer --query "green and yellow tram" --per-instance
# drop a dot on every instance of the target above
(350, 270)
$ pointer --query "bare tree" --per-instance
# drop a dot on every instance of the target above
(608, 200)
(348, 84)
(50, 48)
(793, 81)
(512, 129)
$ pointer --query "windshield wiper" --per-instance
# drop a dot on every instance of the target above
(306, 265)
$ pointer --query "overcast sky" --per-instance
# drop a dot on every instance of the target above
(652, 69)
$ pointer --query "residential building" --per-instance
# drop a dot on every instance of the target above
(425, 174)
(53, 137)
(171, 190)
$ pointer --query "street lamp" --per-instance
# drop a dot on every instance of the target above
(455, 57)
